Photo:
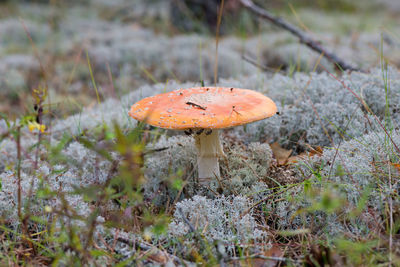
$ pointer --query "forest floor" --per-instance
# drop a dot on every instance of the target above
(83, 183)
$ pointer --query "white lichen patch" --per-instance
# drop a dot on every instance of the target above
(218, 219)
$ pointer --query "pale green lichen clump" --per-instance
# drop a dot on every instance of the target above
(218, 219)
(358, 171)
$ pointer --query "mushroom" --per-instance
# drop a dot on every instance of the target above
(203, 111)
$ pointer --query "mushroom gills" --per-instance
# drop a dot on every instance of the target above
(209, 150)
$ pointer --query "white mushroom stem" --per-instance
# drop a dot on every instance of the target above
(209, 150)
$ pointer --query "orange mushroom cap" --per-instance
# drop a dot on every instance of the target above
(203, 107)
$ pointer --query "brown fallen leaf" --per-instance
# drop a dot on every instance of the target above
(322, 256)
(396, 165)
(305, 155)
(281, 155)
(274, 252)
(315, 151)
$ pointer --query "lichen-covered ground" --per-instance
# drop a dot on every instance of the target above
(83, 183)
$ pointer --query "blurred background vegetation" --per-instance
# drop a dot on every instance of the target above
(53, 37)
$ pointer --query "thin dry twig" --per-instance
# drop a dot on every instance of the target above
(262, 67)
(221, 9)
(153, 252)
(19, 191)
(265, 199)
(303, 37)
(191, 227)
(99, 202)
(257, 256)
(390, 215)
(112, 88)
(367, 108)
(18, 143)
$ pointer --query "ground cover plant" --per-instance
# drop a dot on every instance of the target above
(82, 183)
